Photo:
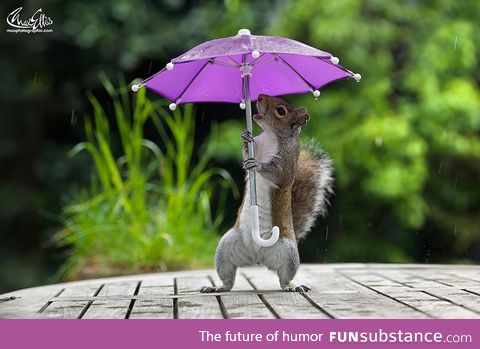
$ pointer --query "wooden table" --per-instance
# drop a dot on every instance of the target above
(338, 291)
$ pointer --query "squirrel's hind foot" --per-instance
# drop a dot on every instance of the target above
(299, 288)
(210, 289)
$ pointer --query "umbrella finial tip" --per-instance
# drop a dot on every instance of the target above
(172, 106)
(135, 87)
(169, 66)
(242, 105)
(357, 77)
(244, 32)
(255, 54)
(334, 60)
(316, 94)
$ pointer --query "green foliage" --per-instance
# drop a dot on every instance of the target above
(147, 208)
(405, 141)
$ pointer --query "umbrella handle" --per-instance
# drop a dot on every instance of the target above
(256, 230)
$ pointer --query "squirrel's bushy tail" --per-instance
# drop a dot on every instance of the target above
(311, 189)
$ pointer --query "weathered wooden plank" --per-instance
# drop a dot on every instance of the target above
(28, 302)
(122, 288)
(166, 282)
(469, 275)
(287, 305)
(245, 306)
(158, 308)
(444, 287)
(198, 306)
(240, 305)
(65, 310)
(191, 285)
(159, 305)
(469, 302)
(112, 308)
(410, 290)
(205, 307)
(430, 277)
(72, 309)
(473, 290)
(81, 290)
(353, 300)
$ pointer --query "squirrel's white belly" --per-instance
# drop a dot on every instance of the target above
(264, 188)
(266, 147)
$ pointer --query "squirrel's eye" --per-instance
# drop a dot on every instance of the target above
(281, 111)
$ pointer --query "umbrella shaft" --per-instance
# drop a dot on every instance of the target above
(248, 115)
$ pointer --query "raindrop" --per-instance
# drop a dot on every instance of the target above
(440, 167)
(455, 184)
(35, 78)
(73, 119)
(455, 43)
(149, 68)
(455, 230)
(378, 141)
(326, 234)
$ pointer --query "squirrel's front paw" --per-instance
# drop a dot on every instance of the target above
(250, 164)
(246, 136)
(299, 288)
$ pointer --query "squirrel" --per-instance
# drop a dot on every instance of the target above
(293, 185)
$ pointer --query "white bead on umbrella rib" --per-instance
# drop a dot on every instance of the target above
(334, 60)
(172, 106)
(169, 66)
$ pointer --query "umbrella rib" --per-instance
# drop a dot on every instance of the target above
(194, 77)
(143, 82)
(335, 65)
(266, 60)
(234, 61)
(296, 72)
(225, 64)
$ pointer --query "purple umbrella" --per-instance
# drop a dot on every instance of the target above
(239, 68)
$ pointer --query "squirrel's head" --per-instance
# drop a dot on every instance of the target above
(274, 113)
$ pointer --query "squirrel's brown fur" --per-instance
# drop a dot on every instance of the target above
(311, 189)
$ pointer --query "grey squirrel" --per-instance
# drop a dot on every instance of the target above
(293, 184)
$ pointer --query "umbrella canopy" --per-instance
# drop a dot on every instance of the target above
(239, 68)
(213, 71)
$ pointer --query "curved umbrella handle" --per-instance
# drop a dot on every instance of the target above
(256, 230)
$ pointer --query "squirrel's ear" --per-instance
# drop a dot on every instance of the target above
(300, 111)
